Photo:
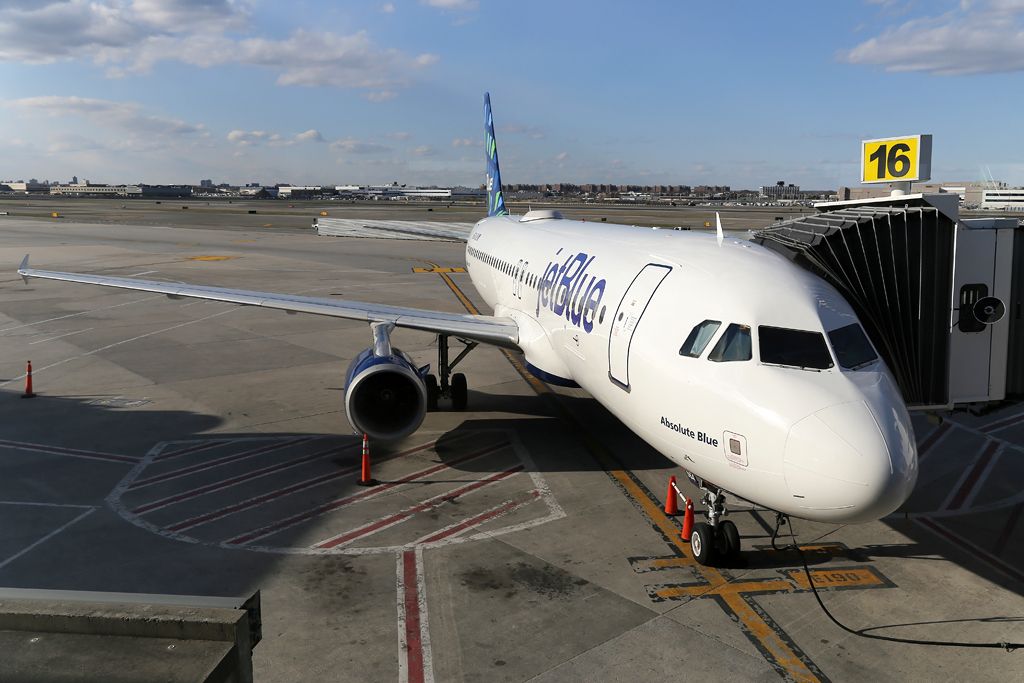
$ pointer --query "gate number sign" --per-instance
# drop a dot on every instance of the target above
(891, 160)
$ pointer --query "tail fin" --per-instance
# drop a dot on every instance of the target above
(495, 200)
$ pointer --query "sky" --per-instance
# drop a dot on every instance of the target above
(672, 92)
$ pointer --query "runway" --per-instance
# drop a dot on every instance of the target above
(196, 447)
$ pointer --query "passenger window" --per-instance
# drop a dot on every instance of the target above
(734, 345)
(853, 350)
(699, 338)
(798, 348)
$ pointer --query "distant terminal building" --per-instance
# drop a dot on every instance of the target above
(21, 187)
(780, 190)
(970, 191)
(1004, 199)
(302, 191)
(166, 190)
(91, 190)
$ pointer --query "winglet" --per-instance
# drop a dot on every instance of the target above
(718, 228)
(495, 199)
(23, 269)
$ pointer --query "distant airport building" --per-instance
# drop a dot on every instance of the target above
(970, 191)
(301, 191)
(166, 190)
(91, 190)
(21, 187)
(780, 190)
(1004, 199)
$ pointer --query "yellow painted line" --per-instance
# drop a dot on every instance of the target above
(438, 269)
(853, 577)
(780, 651)
(210, 258)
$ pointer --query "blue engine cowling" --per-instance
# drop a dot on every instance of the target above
(385, 396)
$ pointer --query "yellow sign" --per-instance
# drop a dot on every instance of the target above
(893, 160)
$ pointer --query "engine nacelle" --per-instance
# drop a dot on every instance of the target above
(385, 395)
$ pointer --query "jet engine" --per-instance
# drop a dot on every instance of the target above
(385, 395)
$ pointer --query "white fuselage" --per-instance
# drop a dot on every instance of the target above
(830, 444)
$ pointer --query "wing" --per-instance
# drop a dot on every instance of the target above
(488, 329)
(394, 230)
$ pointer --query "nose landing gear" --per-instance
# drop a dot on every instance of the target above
(717, 540)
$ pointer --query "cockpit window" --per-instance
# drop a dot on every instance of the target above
(852, 346)
(734, 344)
(797, 348)
(699, 337)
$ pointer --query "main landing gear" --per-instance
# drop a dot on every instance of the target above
(717, 540)
(451, 386)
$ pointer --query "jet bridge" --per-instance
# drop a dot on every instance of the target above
(940, 296)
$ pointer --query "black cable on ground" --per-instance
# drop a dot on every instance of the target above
(1009, 647)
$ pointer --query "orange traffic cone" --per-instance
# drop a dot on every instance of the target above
(671, 498)
(28, 383)
(687, 521)
(364, 478)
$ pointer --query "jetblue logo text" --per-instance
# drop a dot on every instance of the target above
(567, 290)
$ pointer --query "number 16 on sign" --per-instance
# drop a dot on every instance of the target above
(896, 160)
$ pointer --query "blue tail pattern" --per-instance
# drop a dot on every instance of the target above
(495, 200)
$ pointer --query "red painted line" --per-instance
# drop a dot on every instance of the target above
(1008, 528)
(407, 513)
(975, 551)
(191, 449)
(72, 452)
(486, 516)
(209, 464)
(238, 479)
(924, 448)
(413, 639)
(1003, 423)
(972, 478)
(347, 500)
(278, 493)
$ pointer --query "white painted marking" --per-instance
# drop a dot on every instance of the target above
(145, 272)
(421, 598)
(61, 336)
(403, 645)
(73, 315)
(45, 538)
(124, 341)
(951, 496)
(980, 484)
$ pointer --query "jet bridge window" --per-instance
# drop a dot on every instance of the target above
(699, 338)
(853, 350)
(733, 345)
(797, 348)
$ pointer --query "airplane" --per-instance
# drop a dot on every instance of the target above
(750, 373)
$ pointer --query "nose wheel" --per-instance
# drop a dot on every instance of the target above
(717, 540)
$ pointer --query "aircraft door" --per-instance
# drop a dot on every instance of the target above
(627, 318)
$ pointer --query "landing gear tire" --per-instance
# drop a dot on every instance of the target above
(728, 540)
(433, 391)
(460, 391)
(702, 543)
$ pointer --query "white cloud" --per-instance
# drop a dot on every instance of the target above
(311, 135)
(128, 116)
(131, 36)
(561, 156)
(380, 95)
(467, 142)
(975, 38)
(388, 8)
(353, 146)
(424, 151)
(400, 135)
(452, 4)
(534, 132)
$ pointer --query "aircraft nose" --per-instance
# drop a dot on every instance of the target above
(850, 462)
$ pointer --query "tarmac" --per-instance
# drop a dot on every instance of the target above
(198, 448)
